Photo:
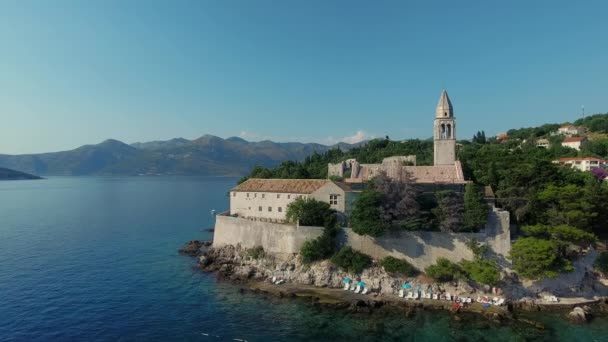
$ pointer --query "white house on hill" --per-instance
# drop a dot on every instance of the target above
(574, 142)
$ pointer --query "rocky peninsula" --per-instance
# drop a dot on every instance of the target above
(321, 282)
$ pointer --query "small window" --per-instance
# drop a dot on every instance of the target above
(260, 208)
(445, 113)
(333, 199)
(263, 195)
(234, 194)
(280, 209)
(255, 195)
(278, 195)
(269, 209)
(288, 196)
(247, 195)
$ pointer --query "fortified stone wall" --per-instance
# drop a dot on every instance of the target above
(421, 249)
(274, 237)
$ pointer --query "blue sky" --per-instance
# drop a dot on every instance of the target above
(79, 72)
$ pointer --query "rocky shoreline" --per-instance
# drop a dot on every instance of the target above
(321, 283)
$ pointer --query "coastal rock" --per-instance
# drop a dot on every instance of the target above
(579, 315)
(191, 248)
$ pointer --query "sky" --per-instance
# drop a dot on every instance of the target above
(80, 72)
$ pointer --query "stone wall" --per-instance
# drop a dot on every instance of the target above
(274, 237)
(421, 249)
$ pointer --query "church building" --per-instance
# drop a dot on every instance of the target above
(446, 171)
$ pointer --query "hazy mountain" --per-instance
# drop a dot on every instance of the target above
(8, 174)
(207, 155)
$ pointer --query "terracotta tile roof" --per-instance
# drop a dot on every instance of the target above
(297, 186)
(574, 139)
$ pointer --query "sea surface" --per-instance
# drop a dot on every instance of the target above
(95, 259)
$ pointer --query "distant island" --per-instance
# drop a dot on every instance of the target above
(8, 174)
(206, 156)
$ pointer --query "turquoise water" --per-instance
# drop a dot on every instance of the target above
(95, 259)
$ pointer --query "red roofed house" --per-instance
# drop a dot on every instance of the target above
(583, 164)
(574, 142)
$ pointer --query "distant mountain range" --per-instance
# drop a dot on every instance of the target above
(207, 155)
(8, 174)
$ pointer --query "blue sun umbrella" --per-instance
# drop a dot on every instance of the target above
(361, 283)
(407, 286)
(346, 280)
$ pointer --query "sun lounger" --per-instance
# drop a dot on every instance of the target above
(401, 293)
(469, 300)
(353, 287)
(364, 290)
(274, 280)
(410, 295)
(448, 296)
(346, 286)
(416, 295)
(427, 295)
(500, 301)
(358, 289)
(435, 295)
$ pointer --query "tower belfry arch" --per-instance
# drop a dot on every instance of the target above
(444, 136)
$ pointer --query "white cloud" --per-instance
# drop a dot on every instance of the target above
(359, 136)
(249, 136)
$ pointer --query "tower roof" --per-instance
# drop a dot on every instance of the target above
(444, 106)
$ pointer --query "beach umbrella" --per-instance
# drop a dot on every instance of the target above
(361, 283)
(407, 286)
(346, 280)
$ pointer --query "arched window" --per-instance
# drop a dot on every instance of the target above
(445, 113)
(449, 131)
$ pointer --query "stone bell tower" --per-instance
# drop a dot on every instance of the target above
(444, 136)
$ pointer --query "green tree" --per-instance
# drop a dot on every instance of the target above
(482, 271)
(475, 208)
(350, 260)
(394, 265)
(365, 218)
(444, 270)
(309, 212)
(535, 258)
(449, 211)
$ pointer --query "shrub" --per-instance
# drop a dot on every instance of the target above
(317, 249)
(365, 218)
(482, 271)
(350, 260)
(256, 252)
(601, 263)
(535, 258)
(478, 249)
(394, 265)
(443, 270)
(310, 212)
(475, 208)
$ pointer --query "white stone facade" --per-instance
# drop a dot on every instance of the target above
(268, 199)
(583, 164)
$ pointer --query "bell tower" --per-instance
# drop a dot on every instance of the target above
(444, 136)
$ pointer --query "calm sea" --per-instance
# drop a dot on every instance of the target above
(95, 259)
